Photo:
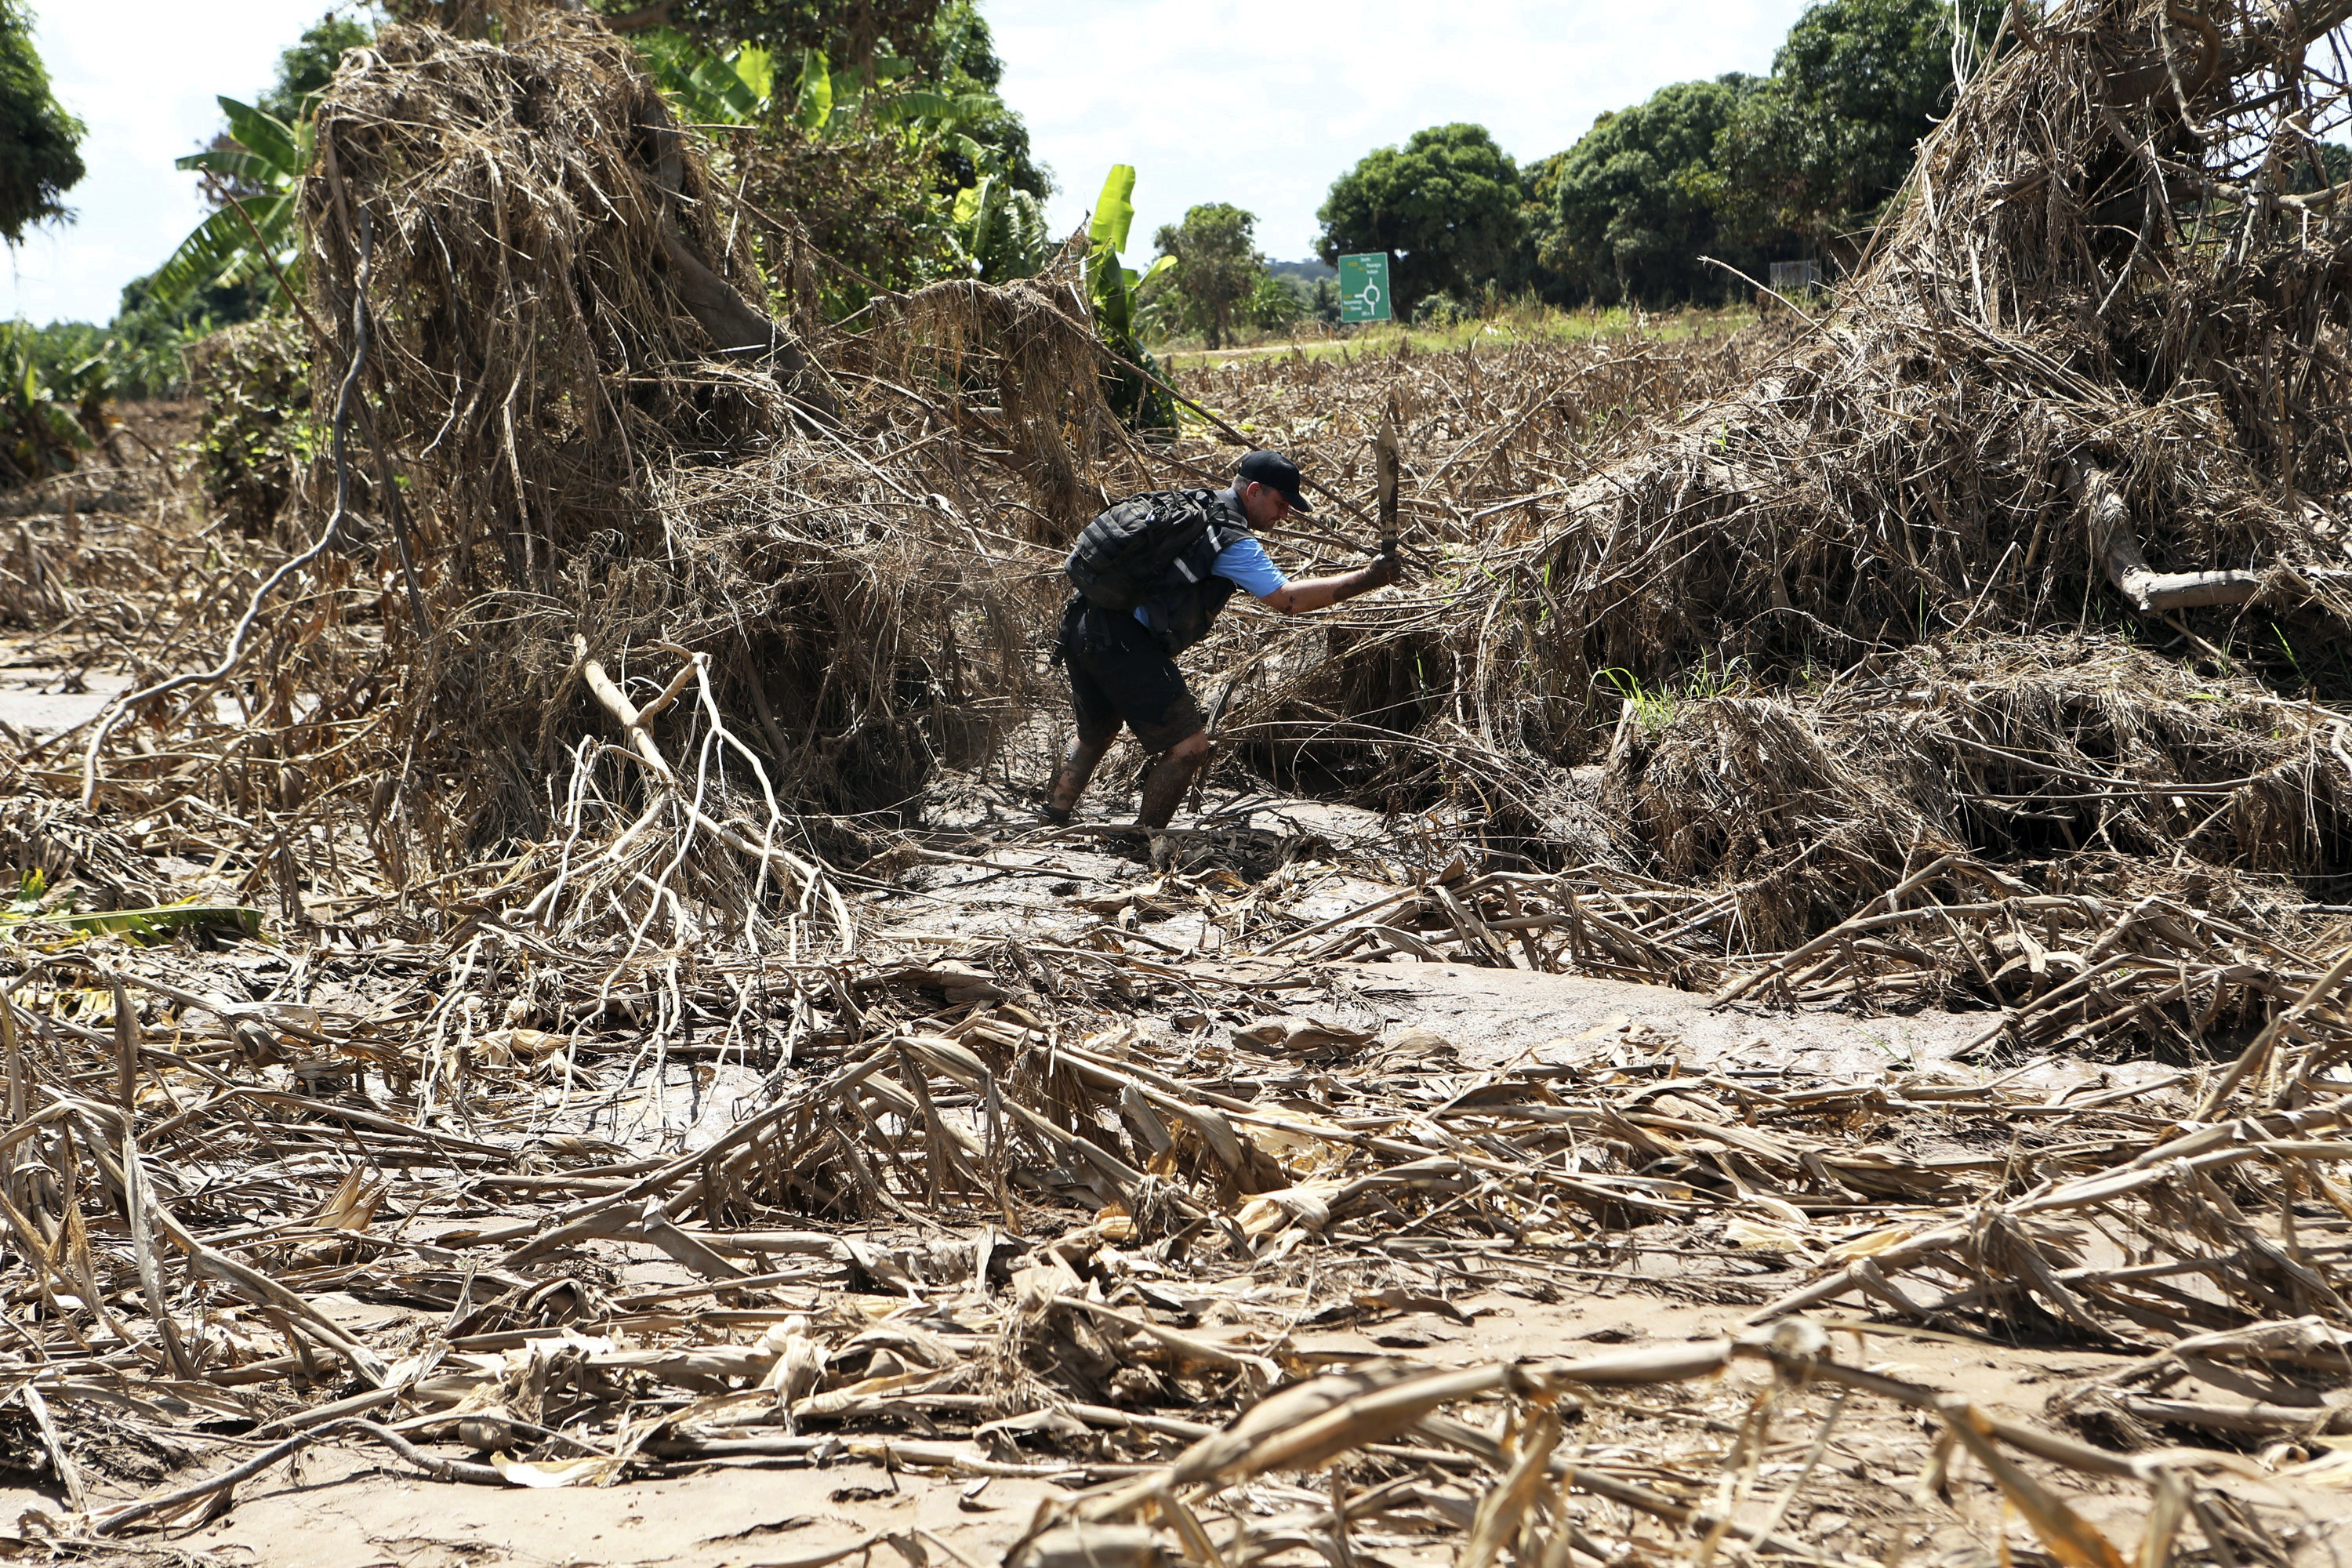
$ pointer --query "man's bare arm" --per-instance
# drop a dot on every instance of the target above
(1306, 593)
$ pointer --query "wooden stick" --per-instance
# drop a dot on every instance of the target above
(2114, 544)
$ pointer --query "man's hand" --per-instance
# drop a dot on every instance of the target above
(1306, 593)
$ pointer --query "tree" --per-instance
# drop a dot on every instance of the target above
(866, 194)
(304, 70)
(240, 253)
(1446, 207)
(1320, 299)
(2315, 168)
(1818, 150)
(1634, 196)
(1543, 266)
(40, 143)
(1141, 401)
(252, 173)
(1216, 266)
(970, 72)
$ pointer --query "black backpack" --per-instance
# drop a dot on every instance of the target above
(1126, 554)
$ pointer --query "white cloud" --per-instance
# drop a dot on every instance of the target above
(1261, 104)
(1264, 104)
(142, 75)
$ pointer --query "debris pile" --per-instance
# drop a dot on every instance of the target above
(2017, 577)
(628, 1085)
(980, 1241)
(2091, 366)
(581, 487)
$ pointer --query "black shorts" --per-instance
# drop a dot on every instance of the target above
(1120, 674)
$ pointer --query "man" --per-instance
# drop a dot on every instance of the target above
(1153, 573)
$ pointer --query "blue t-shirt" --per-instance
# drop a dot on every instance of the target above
(1245, 565)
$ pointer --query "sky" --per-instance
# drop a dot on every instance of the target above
(1260, 104)
(141, 74)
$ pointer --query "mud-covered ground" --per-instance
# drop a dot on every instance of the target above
(777, 1255)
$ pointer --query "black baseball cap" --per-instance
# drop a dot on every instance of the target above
(1276, 473)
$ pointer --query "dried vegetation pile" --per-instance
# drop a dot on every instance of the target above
(581, 487)
(2017, 576)
(2099, 346)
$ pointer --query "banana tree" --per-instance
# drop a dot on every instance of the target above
(1000, 228)
(40, 432)
(740, 88)
(253, 233)
(1112, 286)
(710, 89)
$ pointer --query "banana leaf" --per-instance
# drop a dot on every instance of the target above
(1114, 209)
(925, 104)
(717, 92)
(972, 152)
(202, 255)
(816, 105)
(1107, 281)
(223, 249)
(264, 135)
(756, 69)
(973, 203)
(233, 163)
(154, 923)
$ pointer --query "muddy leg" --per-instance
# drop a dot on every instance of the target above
(1170, 776)
(1078, 764)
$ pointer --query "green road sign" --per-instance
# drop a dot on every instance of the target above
(1364, 287)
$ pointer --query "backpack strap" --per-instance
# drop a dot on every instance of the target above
(1227, 523)
(1221, 525)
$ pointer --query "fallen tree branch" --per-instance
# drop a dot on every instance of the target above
(433, 1465)
(2114, 545)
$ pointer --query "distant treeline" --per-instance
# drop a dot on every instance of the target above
(1749, 170)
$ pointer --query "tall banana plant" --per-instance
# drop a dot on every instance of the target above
(1002, 229)
(1112, 285)
(40, 434)
(253, 233)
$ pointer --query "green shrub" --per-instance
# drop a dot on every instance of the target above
(154, 336)
(46, 405)
(1440, 310)
(1273, 305)
(256, 435)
